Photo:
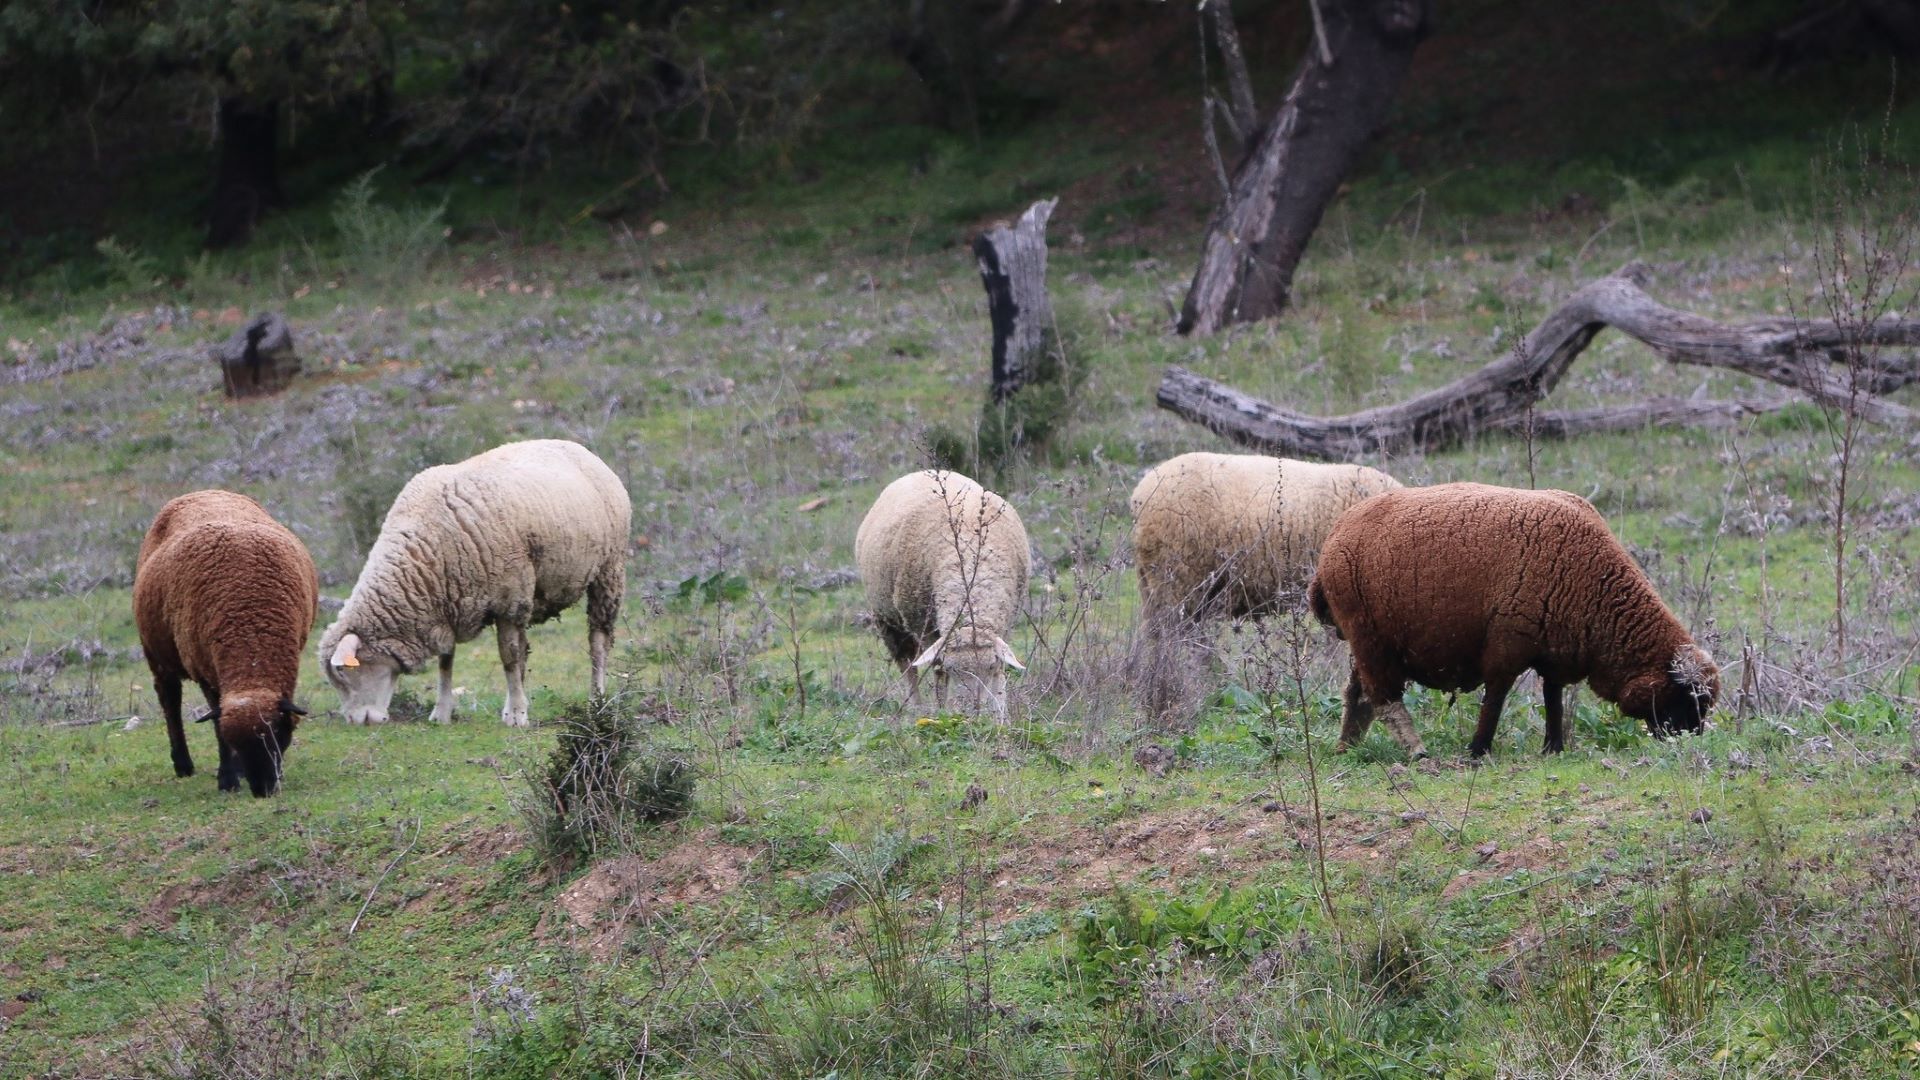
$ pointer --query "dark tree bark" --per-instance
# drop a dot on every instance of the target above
(1293, 167)
(1013, 267)
(247, 178)
(1845, 29)
(259, 358)
(1809, 356)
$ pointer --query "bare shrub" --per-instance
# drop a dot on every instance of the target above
(1867, 233)
(603, 784)
(265, 1026)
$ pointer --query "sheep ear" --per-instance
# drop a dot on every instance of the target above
(931, 654)
(287, 706)
(210, 714)
(1005, 652)
(344, 653)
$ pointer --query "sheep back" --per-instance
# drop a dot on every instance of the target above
(1455, 585)
(1229, 533)
(220, 586)
(513, 535)
(929, 536)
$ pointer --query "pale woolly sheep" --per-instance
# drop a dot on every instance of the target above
(225, 596)
(507, 538)
(1217, 535)
(1461, 585)
(945, 563)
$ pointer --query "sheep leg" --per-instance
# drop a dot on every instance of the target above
(167, 687)
(1553, 693)
(1399, 722)
(513, 660)
(229, 774)
(1491, 703)
(229, 764)
(603, 610)
(1357, 716)
(443, 704)
(598, 642)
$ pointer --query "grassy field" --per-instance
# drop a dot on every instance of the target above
(862, 889)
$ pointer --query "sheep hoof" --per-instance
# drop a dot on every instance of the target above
(183, 769)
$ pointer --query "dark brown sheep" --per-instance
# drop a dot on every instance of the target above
(225, 595)
(1464, 585)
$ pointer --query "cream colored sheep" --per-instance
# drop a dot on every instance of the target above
(945, 563)
(507, 538)
(1228, 534)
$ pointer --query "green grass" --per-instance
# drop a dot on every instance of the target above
(756, 373)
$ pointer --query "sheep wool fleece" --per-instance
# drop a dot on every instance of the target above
(225, 596)
(512, 536)
(1227, 533)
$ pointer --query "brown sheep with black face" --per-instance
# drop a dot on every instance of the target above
(225, 596)
(1463, 585)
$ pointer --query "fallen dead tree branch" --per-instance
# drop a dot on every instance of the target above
(1808, 356)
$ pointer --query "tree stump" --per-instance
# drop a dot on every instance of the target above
(259, 358)
(1013, 267)
(1026, 349)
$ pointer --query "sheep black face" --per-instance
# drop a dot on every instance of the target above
(1677, 700)
(254, 738)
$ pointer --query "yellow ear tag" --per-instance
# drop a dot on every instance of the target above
(351, 661)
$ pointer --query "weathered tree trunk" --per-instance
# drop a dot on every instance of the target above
(1803, 355)
(1013, 267)
(247, 181)
(259, 358)
(1294, 166)
(1031, 392)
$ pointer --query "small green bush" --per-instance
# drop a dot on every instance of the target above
(602, 784)
(386, 245)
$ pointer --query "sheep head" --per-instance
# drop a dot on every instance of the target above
(257, 732)
(365, 679)
(976, 662)
(1677, 697)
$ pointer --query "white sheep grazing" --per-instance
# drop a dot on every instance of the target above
(510, 537)
(1228, 534)
(945, 563)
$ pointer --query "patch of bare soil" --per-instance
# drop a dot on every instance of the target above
(485, 846)
(1183, 844)
(1533, 856)
(600, 906)
(239, 887)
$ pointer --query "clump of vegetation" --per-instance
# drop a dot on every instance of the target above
(1120, 942)
(408, 706)
(1393, 960)
(132, 270)
(386, 244)
(264, 1024)
(602, 784)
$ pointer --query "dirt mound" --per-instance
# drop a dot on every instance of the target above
(1181, 844)
(1532, 856)
(602, 904)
